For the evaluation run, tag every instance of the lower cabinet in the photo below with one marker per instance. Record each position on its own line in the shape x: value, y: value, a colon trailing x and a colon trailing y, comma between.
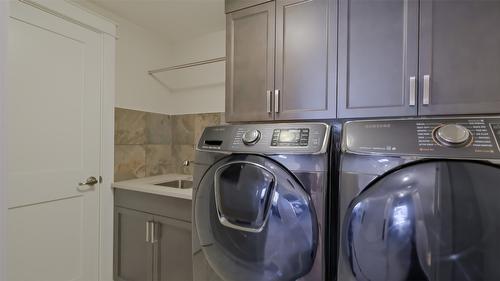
x: 150, y: 246
x: 174, y: 257
x: 133, y: 253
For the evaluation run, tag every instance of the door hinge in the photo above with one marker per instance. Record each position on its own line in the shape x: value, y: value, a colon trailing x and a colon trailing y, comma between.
x: 100, y: 179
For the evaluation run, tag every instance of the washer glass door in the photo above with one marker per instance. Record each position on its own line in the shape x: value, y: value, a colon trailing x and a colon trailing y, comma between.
x: 255, y: 221
x: 434, y: 220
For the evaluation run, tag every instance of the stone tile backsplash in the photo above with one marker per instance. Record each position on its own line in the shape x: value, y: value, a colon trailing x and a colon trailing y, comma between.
x: 130, y: 162
x: 158, y: 128
x: 150, y: 144
x: 130, y: 126
x: 183, y: 129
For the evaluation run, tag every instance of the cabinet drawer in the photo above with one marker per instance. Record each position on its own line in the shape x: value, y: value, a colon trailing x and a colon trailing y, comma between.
x: 171, y: 207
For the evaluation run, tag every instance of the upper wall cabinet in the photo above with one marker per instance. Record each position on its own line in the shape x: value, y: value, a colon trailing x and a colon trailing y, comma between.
x: 395, y: 58
x: 457, y: 52
x: 250, y: 63
x: 281, y: 61
x: 378, y: 58
x: 459, y: 57
x: 305, y: 73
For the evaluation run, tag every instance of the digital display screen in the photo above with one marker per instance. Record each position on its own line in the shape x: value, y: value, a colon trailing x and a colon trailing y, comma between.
x: 496, y: 132
x: 290, y: 135
x: 496, y: 128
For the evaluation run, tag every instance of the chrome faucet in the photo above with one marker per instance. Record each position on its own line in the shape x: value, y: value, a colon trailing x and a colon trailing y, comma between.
x: 186, y: 163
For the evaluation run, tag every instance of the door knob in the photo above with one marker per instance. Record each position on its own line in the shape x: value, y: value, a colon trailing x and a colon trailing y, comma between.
x: 89, y: 181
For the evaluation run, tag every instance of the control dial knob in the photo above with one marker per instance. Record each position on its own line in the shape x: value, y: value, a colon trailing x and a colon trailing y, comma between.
x: 251, y: 137
x: 453, y: 135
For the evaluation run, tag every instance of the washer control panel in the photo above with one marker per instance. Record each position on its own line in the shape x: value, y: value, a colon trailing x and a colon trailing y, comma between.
x: 461, y: 137
x: 284, y: 138
x: 290, y: 137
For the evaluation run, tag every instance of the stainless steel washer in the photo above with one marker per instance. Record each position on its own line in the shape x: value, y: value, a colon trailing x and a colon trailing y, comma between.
x: 259, y: 202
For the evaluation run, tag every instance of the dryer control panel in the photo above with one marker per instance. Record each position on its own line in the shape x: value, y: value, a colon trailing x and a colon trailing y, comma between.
x: 461, y: 137
x: 284, y: 138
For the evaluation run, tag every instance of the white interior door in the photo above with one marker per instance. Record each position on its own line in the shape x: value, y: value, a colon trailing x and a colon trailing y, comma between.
x: 53, y: 142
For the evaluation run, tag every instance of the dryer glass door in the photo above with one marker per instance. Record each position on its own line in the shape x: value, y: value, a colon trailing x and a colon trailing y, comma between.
x: 255, y: 221
x: 435, y: 220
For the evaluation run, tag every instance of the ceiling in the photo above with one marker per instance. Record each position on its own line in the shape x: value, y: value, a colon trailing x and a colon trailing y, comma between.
x: 174, y: 20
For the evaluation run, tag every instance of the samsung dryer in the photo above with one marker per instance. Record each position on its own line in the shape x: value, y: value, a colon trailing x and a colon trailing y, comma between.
x: 420, y: 199
x: 259, y: 202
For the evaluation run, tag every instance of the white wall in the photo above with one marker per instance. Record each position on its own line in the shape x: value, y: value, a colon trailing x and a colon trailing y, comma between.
x: 201, y: 99
x: 137, y: 51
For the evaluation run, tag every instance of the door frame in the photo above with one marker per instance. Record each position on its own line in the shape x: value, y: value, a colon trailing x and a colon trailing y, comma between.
x: 106, y: 30
x: 4, y: 16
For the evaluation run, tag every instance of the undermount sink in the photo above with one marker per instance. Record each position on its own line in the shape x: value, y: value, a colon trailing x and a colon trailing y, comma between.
x: 177, y: 184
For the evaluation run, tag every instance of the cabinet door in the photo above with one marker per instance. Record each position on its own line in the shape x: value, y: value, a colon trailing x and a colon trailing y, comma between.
x: 133, y: 255
x: 174, y: 257
x: 306, y: 36
x: 250, y: 63
x: 378, y: 54
x: 460, y: 55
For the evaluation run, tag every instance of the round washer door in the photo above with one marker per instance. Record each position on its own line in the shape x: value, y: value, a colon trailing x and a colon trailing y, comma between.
x: 436, y: 220
x: 255, y: 221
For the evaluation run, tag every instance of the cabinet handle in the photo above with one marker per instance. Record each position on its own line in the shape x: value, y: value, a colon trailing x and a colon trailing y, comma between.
x: 276, y: 101
x: 427, y: 91
x: 269, y: 101
x: 153, y: 232
x: 147, y: 232
x: 413, y: 89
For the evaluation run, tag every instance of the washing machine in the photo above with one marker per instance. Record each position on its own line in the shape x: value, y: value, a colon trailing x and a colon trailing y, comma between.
x: 420, y: 199
x: 259, y: 202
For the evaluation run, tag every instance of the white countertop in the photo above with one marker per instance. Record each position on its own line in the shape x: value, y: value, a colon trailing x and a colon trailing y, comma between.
x: 148, y: 185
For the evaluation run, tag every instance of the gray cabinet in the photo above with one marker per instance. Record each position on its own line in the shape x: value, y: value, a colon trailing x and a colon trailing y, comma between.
x: 395, y: 58
x: 378, y: 58
x: 133, y: 254
x: 459, y: 57
x: 152, y: 237
x: 281, y: 61
x: 174, y: 239
x: 250, y: 63
x: 306, y: 40
x: 454, y: 44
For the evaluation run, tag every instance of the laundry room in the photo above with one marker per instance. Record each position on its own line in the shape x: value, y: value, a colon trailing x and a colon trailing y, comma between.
x: 249, y: 140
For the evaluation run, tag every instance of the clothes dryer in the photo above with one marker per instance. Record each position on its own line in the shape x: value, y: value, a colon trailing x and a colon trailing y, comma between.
x: 420, y: 199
